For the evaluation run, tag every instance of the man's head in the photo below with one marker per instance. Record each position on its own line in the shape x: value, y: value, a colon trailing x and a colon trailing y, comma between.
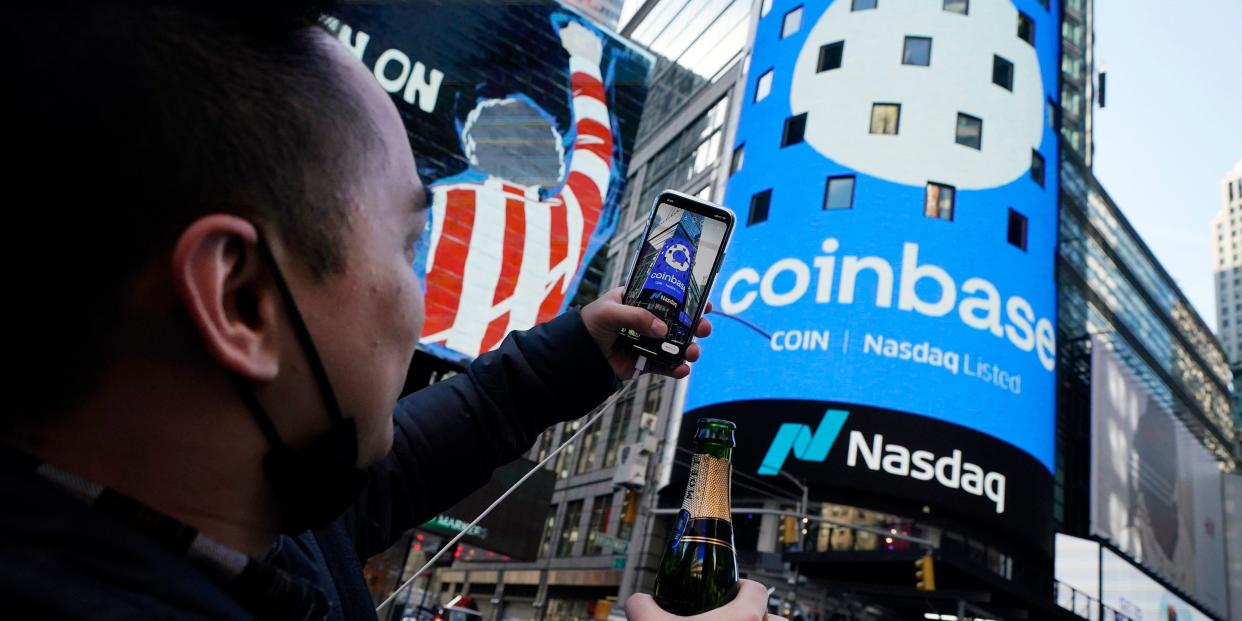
x: 157, y: 144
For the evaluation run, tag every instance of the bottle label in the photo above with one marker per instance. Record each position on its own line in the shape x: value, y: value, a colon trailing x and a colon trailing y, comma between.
x: 708, y: 531
x: 707, y: 491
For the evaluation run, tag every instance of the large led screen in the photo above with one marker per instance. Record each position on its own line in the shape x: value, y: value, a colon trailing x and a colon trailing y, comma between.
x: 522, y: 117
x: 895, y: 179
x: 1156, y: 491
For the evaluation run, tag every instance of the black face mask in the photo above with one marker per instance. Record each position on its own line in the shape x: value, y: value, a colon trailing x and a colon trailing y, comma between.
x: 313, y: 486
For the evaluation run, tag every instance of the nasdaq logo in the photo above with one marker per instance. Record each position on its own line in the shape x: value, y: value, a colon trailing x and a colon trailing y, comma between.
x: 804, y: 444
x: 952, y: 471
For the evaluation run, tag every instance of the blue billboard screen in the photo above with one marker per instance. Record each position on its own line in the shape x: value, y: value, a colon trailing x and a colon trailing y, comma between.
x: 898, y: 176
x: 671, y: 271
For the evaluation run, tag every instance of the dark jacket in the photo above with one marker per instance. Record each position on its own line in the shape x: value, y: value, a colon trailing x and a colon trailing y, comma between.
x: 67, y: 560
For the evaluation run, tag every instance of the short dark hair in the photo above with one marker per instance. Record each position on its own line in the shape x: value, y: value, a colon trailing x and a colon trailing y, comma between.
x: 129, y: 120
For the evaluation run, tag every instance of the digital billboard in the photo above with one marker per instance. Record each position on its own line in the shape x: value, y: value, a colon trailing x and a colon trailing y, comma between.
x: 521, y: 117
x: 1096, y: 574
x: 1129, y: 591
x: 1156, y: 490
x: 1233, y: 539
x: 1077, y: 572
x: 895, y: 180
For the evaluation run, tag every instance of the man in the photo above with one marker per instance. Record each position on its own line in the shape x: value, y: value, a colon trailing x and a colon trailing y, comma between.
x: 213, y: 212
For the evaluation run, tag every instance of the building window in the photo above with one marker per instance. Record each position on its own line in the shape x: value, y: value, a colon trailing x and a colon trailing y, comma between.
x: 795, y: 129
x: 957, y: 6
x: 765, y: 8
x: 545, y: 445
x: 1037, y: 167
x: 862, y: 5
x: 739, y: 154
x: 830, y: 56
x: 1050, y: 110
x: 938, y: 202
x: 792, y: 22
x: 1002, y: 73
x: 969, y: 130
x: 651, y: 403
x: 592, y: 283
x: 545, y: 542
x: 562, y: 458
x: 586, y: 455
x: 885, y: 118
x: 1026, y: 28
x: 763, y: 86
x: 618, y: 428
x: 601, y: 512
x: 839, y: 193
x: 916, y: 51
x: 1017, y: 229
x: 570, y: 528
x: 759, y: 205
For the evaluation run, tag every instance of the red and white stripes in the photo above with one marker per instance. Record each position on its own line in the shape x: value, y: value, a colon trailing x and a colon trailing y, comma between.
x: 501, y: 259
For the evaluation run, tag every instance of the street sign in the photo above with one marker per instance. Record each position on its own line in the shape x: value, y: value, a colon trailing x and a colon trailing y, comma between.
x: 609, y: 543
x: 455, y: 525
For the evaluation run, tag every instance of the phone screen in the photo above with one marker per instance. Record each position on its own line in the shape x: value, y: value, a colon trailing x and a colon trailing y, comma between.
x: 674, y: 270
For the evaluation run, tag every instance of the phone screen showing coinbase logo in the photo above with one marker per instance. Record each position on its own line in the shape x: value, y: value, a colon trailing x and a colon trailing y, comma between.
x: 674, y: 265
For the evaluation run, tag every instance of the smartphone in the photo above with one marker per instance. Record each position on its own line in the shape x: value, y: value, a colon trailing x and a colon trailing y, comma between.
x: 681, y: 252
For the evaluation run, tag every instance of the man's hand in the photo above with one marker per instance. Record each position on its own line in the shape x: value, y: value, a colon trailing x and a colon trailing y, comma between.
x: 751, y: 604
x: 605, y: 317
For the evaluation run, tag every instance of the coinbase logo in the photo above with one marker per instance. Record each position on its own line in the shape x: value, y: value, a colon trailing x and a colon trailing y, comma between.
x: 920, y: 73
x: 678, y: 256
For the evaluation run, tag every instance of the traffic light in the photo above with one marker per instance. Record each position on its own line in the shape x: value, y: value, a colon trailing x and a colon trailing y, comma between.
x: 629, y: 509
x: 789, y: 530
x: 925, y: 573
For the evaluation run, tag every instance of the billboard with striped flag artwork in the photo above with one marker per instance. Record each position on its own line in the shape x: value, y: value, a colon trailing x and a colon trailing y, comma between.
x: 521, y: 118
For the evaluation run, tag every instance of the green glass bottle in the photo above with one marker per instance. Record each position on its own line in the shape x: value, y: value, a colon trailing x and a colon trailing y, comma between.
x: 699, y: 569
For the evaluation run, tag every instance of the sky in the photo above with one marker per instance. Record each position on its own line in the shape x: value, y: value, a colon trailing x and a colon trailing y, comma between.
x: 1172, y: 125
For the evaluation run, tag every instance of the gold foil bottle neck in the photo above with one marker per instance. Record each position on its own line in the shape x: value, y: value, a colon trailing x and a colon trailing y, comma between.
x: 707, y: 492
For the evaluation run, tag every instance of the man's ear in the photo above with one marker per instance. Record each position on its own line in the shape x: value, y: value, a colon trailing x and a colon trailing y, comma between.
x: 227, y: 290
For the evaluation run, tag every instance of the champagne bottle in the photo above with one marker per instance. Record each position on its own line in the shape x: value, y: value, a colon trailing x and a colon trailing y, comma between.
x: 698, y: 571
